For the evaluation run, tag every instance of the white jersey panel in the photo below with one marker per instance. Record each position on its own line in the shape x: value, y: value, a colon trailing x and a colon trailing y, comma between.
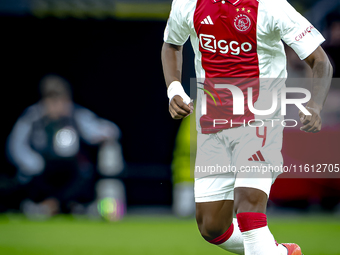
x: 295, y: 30
x: 272, y: 61
x: 178, y: 27
x: 279, y: 20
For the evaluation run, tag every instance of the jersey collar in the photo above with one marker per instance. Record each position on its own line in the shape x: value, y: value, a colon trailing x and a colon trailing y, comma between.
x: 233, y: 2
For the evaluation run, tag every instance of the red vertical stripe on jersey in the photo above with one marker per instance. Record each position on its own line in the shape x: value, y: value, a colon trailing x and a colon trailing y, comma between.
x: 229, y: 50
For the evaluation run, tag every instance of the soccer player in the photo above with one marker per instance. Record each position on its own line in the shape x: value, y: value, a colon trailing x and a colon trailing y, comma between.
x: 240, y: 40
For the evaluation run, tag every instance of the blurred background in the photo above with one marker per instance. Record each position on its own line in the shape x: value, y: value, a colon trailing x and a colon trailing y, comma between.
x: 87, y: 135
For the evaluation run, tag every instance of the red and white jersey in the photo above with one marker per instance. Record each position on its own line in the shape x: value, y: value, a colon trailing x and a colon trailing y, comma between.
x: 240, y: 39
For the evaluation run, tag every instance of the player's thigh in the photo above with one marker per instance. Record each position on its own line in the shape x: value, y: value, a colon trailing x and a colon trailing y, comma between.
x: 213, y: 181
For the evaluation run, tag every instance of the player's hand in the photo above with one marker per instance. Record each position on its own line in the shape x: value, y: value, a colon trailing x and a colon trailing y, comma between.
x: 178, y: 109
x: 311, y: 123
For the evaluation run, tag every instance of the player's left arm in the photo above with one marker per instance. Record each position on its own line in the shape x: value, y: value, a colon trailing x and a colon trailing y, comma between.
x: 322, y: 75
x: 298, y: 33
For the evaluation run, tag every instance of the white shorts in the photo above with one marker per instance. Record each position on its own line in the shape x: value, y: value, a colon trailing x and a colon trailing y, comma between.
x: 237, y: 157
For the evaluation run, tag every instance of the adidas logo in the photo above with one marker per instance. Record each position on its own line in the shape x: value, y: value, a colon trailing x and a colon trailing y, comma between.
x: 207, y: 21
x: 257, y: 157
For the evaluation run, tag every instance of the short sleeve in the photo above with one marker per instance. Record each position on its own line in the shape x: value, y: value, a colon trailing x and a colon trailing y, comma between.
x: 177, y: 30
x: 295, y: 30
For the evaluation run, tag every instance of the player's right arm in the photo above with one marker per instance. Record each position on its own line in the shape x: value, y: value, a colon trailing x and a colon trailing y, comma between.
x: 172, y: 69
x: 175, y: 35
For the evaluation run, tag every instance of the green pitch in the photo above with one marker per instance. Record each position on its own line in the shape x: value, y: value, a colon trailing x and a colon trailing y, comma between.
x: 150, y: 236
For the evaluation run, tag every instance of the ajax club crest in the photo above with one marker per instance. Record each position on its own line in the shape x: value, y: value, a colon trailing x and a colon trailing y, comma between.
x: 242, y: 22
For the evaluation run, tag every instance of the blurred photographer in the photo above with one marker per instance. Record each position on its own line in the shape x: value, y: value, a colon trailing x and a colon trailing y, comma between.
x: 49, y: 146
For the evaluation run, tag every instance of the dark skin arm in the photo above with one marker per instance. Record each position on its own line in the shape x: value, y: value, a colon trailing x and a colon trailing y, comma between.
x: 322, y: 75
x: 172, y: 59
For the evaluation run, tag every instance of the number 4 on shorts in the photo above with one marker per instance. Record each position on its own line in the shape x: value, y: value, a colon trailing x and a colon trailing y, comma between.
x: 263, y: 135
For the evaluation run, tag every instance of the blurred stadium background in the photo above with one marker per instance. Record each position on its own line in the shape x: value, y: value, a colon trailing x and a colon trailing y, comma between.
x: 109, y: 51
